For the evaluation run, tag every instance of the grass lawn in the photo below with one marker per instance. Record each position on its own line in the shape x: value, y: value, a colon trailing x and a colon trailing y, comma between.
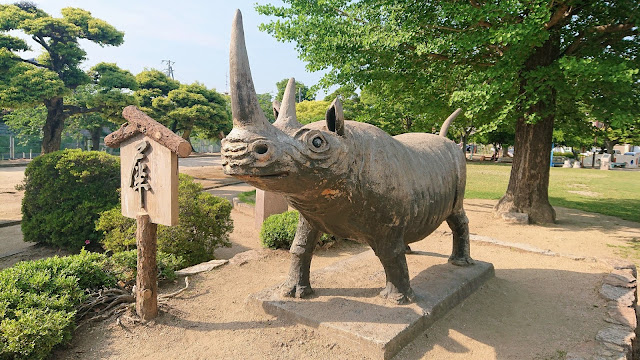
x: 248, y: 197
x: 615, y: 193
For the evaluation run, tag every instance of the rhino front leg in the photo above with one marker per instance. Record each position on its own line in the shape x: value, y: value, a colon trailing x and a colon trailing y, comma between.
x: 304, y: 243
x: 398, y: 288
x: 459, y: 224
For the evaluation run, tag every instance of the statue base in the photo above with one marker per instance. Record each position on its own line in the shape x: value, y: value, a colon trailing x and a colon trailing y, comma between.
x: 346, y: 305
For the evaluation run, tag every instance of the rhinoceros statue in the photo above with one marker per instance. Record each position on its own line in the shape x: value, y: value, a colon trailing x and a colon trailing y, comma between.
x: 346, y: 178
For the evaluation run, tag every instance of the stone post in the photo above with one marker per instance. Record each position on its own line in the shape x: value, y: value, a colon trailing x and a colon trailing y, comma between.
x: 267, y: 204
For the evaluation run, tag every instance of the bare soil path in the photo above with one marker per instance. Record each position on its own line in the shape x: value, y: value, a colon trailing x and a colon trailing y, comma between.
x: 537, y: 306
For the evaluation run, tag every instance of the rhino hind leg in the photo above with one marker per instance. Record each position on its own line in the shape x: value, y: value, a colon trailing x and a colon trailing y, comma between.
x: 395, y: 267
x: 298, y: 285
x: 459, y: 224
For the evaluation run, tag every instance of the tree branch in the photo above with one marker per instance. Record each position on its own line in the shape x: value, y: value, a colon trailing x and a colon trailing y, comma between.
x: 437, y: 56
x: 612, y: 28
x: 474, y: 3
x: 445, y: 28
x: 560, y: 14
x: 40, y: 40
x: 70, y: 110
x: 32, y: 62
x: 577, y: 44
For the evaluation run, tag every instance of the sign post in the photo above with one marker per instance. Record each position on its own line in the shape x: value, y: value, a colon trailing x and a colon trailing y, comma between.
x: 149, y: 192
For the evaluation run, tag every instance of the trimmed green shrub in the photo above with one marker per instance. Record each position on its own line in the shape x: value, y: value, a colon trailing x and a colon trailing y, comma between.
x: 205, y: 224
x: 279, y: 230
x: 567, y: 154
x: 65, y: 192
x: 124, y: 265
x: 38, y: 301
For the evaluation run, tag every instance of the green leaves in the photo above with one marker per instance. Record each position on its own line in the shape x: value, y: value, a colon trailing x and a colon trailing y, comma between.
x: 90, y: 28
x: 110, y: 76
x: 38, y: 300
x: 182, y: 108
x: 205, y: 224
x: 301, y: 89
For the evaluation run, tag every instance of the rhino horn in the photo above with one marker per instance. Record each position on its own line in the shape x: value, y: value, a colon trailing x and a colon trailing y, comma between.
x: 244, y: 102
x: 287, y: 120
x: 275, y: 104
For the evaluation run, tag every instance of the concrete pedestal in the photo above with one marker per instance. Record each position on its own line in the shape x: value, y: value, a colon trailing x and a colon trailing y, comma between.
x: 267, y: 204
x: 347, y: 307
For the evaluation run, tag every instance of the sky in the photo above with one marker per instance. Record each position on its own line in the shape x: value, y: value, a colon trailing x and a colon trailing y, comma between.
x: 193, y: 34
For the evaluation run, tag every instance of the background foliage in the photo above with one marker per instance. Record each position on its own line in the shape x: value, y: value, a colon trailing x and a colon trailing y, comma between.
x: 205, y: 224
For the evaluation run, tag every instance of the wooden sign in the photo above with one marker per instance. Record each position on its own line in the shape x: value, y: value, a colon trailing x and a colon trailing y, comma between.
x: 149, y: 184
x: 149, y: 180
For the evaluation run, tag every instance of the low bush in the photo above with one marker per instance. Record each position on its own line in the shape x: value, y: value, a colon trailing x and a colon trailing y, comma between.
x: 124, y: 265
x: 567, y: 154
x: 279, y: 230
x: 38, y: 300
x: 65, y: 192
x: 205, y: 224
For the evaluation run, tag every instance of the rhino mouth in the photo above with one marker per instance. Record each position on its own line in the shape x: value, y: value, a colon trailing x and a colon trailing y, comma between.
x: 267, y: 176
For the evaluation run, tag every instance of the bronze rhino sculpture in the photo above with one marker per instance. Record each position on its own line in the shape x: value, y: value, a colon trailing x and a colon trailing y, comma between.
x: 346, y: 178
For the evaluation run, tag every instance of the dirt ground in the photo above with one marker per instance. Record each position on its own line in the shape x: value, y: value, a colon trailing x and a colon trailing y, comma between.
x: 10, y: 198
x: 536, y: 307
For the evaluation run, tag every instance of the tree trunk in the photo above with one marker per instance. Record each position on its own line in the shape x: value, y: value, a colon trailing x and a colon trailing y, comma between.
x: 95, y: 138
x: 609, y: 144
x: 528, y: 189
x: 187, y: 136
x: 52, y: 130
x: 505, y: 151
x: 147, y: 275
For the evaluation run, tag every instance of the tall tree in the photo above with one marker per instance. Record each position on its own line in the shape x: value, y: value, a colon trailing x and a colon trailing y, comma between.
x: 309, y: 111
x: 266, y: 104
x: 47, y: 79
x: 508, y: 60
x: 301, y: 89
x: 152, y: 84
x: 194, y: 107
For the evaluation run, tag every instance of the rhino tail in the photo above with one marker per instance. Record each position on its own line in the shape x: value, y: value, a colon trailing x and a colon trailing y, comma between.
x: 447, y: 123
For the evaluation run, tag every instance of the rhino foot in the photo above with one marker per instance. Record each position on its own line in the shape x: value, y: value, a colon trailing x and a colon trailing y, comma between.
x: 461, y: 261
x: 392, y: 294
x: 296, y: 290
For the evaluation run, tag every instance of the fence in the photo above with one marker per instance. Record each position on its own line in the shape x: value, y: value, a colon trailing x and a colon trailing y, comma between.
x: 28, y: 147
x: 205, y: 145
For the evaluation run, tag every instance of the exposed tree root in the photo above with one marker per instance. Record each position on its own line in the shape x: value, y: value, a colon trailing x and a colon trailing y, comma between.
x: 175, y: 293
x: 106, y: 303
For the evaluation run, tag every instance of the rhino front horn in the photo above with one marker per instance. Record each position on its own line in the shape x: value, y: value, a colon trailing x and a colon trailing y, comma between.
x: 245, y: 108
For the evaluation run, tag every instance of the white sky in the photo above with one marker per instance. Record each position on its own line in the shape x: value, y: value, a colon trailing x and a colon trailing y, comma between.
x: 193, y: 34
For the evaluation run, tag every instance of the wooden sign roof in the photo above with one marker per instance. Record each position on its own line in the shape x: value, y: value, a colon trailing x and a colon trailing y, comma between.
x: 141, y: 123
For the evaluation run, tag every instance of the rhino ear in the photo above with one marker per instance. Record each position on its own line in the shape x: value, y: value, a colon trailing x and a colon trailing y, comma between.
x: 276, y: 108
x: 335, y: 117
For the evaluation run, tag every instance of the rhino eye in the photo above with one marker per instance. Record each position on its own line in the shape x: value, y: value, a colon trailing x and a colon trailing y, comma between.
x: 317, y: 141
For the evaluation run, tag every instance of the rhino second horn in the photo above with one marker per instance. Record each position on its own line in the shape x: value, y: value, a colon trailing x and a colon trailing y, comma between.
x: 287, y: 120
x: 244, y: 102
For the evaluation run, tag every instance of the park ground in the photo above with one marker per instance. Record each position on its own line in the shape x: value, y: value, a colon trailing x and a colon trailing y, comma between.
x: 537, y: 307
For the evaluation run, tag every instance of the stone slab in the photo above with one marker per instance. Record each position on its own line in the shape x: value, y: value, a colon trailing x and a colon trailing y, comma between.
x: 347, y: 307
x: 202, y: 267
